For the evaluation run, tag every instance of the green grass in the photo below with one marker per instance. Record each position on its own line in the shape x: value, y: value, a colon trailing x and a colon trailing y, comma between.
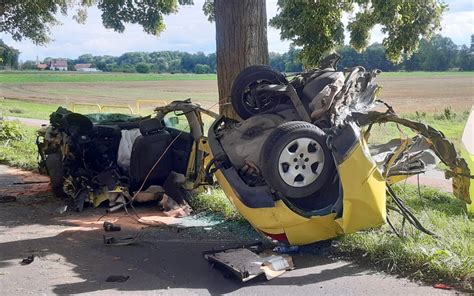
x: 17, y: 145
x: 448, y: 258
x: 47, y: 77
x: 215, y: 201
x: 26, y: 109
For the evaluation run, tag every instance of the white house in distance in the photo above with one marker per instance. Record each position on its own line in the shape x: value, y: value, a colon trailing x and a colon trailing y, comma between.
x: 85, y: 68
x: 58, y: 65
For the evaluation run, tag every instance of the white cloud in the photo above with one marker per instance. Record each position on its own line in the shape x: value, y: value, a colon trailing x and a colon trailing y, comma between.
x: 189, y: 30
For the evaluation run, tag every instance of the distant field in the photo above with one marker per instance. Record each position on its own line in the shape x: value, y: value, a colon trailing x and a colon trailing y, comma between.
x: 47, y: 76
x: 406, y: 91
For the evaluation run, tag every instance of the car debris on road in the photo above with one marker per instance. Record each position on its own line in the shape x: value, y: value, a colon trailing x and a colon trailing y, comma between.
x: 247, y: 262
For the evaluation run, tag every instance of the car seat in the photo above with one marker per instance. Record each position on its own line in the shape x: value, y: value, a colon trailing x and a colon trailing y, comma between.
x: 146, y: 151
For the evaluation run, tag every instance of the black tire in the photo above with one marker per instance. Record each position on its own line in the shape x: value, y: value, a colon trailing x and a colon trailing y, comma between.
x: 276, y: 148
x: 249, y: 77
x: 55, y: 170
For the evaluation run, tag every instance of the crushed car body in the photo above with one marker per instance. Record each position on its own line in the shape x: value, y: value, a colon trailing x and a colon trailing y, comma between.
x: 118, y: 157
x: 297, y: 166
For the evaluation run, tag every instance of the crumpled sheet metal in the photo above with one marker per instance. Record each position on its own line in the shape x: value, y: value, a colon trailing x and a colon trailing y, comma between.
x: 441, y: 146
x: 404, y: 157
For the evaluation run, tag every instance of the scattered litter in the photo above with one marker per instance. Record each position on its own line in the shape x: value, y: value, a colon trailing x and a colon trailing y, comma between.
x: 117, y: 258
x: 286, y: 249
x: 322, y: 248
x: 246, y: 264
x: 442, y: 286
x: 62, y: 209
x: 117, y: 278
x: 7, y: 198
x: 115, y: 208
x: 110, y: 227
x: 28, y: 260
x: 121, y: 241
x: 173, y: 209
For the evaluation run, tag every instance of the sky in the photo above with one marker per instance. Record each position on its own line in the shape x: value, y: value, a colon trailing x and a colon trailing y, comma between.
x: 189, y: 30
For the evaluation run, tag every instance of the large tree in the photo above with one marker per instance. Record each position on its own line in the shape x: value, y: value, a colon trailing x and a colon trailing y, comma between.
x: 314, y: 25
x: 241, y: 41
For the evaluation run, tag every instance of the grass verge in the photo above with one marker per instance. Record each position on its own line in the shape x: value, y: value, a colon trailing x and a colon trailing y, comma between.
x: 26, y: 109
x: 17, y: 145
x: 448, y: 258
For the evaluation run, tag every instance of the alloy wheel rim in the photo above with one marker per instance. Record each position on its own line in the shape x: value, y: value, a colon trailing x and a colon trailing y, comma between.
x: 301, y: 162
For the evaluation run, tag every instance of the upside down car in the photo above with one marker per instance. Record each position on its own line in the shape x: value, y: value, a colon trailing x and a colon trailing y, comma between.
x: 297, y: 166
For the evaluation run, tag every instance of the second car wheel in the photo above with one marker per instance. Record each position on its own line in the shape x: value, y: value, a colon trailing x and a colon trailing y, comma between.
x: 245, y: 98
x: 296, y: 160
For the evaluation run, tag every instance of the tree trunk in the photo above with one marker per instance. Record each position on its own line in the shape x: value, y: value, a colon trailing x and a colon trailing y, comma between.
x: 241, y: 41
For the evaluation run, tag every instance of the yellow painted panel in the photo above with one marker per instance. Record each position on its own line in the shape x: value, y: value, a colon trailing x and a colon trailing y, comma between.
x: 364, y: 192
x: 315, y: 229
x: 276, y: 217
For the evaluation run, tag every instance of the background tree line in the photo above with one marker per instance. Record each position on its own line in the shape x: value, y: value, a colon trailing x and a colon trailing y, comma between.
x: 438, y: 54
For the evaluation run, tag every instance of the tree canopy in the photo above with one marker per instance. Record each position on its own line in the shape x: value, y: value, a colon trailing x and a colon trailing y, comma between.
x: 33, y: 19
x: 317, y: 26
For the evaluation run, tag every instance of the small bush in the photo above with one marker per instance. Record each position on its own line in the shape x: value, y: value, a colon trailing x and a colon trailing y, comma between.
x: 11, y: 131
x: 16, y: 110
x: 142, y: 68
x: 17, y: 145
x: 202, y: 69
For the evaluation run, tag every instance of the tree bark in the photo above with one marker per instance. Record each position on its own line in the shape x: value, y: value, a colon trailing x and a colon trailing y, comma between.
x: 241, y: 41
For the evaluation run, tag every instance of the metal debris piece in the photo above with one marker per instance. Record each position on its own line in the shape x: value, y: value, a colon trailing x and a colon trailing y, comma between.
x: 117, y: 278
x: 7, y: 198
x: 30, y: 182
x: 115, y: 208
x: 28, y: 260
x: 110, y: 227
x: 246, y: 265
x: 62, y: 210
x: 121, y: 241
x: 442, y: 147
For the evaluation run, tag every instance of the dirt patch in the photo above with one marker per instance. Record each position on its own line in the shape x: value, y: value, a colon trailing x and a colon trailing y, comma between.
x: 428, y: 94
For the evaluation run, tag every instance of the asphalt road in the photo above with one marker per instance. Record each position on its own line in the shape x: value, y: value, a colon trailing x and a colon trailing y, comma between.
x: 70, y: 257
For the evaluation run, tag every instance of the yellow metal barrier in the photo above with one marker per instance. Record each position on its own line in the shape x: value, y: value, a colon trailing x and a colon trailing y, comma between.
x: 117, y: 107
x: 156, y: 102
x: 74, y: 105
x: 100, y: 108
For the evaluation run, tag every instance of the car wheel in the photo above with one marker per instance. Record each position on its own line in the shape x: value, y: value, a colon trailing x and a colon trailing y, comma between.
x: 296, y: 160
x: 245, y: 100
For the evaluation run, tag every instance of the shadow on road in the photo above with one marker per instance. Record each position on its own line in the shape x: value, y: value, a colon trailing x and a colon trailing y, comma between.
x: 71, y: 257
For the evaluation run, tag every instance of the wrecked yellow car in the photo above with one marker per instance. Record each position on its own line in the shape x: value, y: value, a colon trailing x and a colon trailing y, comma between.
x: 297, y: 166
x: 116, y: 157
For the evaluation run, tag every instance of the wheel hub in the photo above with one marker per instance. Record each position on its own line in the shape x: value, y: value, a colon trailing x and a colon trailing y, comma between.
x: 301, y: 162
